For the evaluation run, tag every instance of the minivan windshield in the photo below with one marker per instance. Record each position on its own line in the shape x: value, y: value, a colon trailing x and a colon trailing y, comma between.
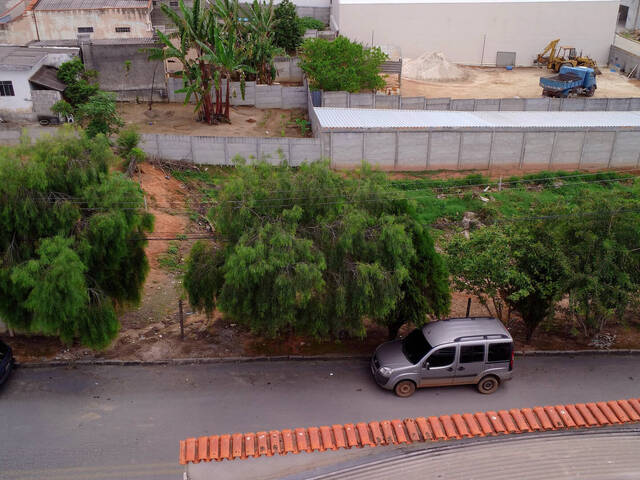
x: 415, y: 346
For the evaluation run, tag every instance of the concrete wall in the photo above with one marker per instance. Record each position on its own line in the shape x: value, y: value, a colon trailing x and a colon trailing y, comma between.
x: 20, y: 105
x: 625, y: 60
x: 370, y: 100
x: 223, y: 150
x: 261, y: 96
x: 43, y: 100
x: 484, y: 149
x: 108, y: 59
x: 63, y: 24
x: 19, y: 31
x: 461, y: 29
x: 288, y: 69
x: 633, y: 16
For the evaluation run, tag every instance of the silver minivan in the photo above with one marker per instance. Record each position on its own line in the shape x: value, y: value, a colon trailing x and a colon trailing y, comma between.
x: 457, y: 351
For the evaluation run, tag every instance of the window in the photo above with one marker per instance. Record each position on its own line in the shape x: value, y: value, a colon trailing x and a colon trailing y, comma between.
x: 6, y: 89
x: 442, y: 357
x: 471, y: 353
x: 415, y: 346
x: 500, y: 352
x: 123, y: 29
x: 85, y: 29
x: 155, y: 2
x: 173, y: 4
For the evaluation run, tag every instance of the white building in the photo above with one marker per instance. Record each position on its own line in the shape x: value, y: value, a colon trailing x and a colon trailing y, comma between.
x: 28, y: 82
x: 473, y: 31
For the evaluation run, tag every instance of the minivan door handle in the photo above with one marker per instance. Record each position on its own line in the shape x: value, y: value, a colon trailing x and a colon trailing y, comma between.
x: 460, y: 368
x: 450, y: 369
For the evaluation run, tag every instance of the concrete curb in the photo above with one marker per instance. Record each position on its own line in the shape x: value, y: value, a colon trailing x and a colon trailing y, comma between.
x: 284, y: 358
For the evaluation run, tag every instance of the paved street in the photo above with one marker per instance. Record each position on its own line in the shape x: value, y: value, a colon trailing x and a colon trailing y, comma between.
x: 125, y: 422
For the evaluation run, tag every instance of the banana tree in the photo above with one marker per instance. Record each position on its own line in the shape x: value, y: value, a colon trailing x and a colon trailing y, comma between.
x: 259, y: 46
x: 229, y: 60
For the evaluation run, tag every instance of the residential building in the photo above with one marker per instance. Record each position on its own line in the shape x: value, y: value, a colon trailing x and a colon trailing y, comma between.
x: 28, y: 80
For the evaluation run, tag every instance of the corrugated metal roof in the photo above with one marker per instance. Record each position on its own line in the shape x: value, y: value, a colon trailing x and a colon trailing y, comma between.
x: 48, y: 77
x: 355, y: 118
x: 89, y: 4
x: 19, y: 58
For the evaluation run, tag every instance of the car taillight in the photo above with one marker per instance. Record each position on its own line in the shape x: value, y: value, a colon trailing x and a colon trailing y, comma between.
x: 511, y: 361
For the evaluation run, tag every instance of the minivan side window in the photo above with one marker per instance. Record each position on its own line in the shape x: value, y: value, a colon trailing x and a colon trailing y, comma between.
x: 471, y: 353
x: 500, y: 352
x: 443, y: 357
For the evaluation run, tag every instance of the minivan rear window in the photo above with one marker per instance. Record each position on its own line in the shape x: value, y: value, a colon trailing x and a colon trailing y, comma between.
x: 472, y: 353
x: 415, y: 346
x: 500, y: 352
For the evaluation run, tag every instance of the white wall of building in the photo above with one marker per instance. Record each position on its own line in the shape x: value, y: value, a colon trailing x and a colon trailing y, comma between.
x: 460, y: 29
x: 20, y: 103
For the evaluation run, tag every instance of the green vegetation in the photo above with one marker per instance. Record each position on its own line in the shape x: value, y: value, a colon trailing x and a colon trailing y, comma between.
x: 314, y: 252
x: 288, y: 35
x: 310, y: 23
x: 93, y: 108
x: 72, y: 238
x: 230, y: 43
x: 171, y: 260
x: 341, y: 65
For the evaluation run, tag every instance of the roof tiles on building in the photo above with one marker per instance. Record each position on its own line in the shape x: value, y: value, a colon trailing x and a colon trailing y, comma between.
x: 410, y: 430
x: 356, y: 118
x: 44, y: 5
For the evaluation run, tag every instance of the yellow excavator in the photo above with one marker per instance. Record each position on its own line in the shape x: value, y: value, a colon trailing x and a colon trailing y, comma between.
x: 555, y: 57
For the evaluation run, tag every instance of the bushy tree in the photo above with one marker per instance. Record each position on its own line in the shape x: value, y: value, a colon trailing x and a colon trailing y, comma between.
x: 603, y: 251
x: 309, y: 23
x: 99, y: 114
x: 287, y: 28
x: 72, y: 239
x: 79, y: 81
x: 313, y: 252
x: 520, y: 266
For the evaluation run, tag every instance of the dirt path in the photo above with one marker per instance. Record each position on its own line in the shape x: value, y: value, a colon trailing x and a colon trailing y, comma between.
x: 521, y: 82
x: 178, y: 119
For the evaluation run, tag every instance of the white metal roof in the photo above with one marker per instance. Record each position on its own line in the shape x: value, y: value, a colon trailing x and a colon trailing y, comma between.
x: 400, y: 2
x: 356, y: 118
x: 89, y: 4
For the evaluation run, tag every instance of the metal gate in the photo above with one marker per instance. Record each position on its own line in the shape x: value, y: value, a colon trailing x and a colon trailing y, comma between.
x: 505, y: 59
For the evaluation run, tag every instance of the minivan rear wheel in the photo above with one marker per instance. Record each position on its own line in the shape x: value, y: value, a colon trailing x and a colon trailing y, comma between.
x: 488, y: 384
x: 405, y: 388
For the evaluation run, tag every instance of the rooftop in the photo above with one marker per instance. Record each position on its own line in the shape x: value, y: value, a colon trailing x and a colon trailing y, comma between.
x: 14, y: 58
x: 49, y: 5
x: 357, y: 118
x: 446, y: 331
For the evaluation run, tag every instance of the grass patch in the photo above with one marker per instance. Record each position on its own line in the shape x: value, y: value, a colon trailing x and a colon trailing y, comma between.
x: 172, y: 260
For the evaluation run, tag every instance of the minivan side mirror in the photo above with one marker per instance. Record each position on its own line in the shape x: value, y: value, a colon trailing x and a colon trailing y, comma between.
x: 425, y: 365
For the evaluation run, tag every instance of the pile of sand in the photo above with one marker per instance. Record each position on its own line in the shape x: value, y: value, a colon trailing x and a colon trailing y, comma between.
x: 432, y: 67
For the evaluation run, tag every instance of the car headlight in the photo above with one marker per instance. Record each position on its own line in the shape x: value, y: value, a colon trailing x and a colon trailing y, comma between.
x: 385, y: 371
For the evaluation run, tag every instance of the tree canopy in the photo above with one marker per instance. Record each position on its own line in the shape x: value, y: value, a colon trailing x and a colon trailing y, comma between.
x: 341, y: 65
x: 313, y: 252
x: 287, y: 29
x: 72, y: 239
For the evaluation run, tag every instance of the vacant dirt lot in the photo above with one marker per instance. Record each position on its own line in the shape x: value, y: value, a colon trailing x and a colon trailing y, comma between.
x: 520, y: 82
x: 179, y: 119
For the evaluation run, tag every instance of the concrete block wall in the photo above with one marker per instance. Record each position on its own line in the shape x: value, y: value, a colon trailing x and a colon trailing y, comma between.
x: 223, y: 150
x: 484, y: 149
x: 262, y: 96
x: 288, y: 69
x: 625, y: 60
x: 370, y: 100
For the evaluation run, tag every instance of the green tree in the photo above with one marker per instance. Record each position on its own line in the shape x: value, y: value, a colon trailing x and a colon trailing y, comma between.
x: 310, y: 251
x: 72, y: 237
x: 522, y: 266
x: 79, y: 81
x: 99, y: 114
x: 604, y: 256
x: 259, y: 47
x: 341, y: 65
x: 287, y: 30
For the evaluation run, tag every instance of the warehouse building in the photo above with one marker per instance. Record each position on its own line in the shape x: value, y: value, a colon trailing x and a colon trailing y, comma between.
x: 474, y: 31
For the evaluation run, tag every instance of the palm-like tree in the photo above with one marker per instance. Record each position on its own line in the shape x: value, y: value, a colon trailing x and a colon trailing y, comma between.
x: 228, y: 59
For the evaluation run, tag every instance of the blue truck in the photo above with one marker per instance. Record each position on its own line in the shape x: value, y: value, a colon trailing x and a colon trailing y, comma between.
x: 570, y: 81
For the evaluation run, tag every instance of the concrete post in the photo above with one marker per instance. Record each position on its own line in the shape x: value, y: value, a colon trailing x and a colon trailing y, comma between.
x: 259, y: 149
x: 584, y: 140
x: 428, y: 150
x: 364, y: 153
x: 613, y: 146
x: 490, y: 150
x: 553, y: 148
x: 523, y: 149
x: 157, y: 146
x: 226, y: 152
x: 395, y: 162
x: 290, y: 159
x: 460, y: 145
x: 193, y: 160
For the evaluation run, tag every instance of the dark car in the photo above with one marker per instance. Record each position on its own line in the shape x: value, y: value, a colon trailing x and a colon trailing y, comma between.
x: 6, y: 361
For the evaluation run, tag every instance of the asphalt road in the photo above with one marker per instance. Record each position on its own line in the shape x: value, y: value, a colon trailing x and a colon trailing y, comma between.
x: 107, y: 423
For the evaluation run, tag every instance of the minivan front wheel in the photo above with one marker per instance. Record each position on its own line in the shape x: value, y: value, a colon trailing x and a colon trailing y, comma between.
x: 405, y: 388
x: 488, y: 384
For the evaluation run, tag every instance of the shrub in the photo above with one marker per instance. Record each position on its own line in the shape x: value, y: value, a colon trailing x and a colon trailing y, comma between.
x: 341, y: 65
x: 287, y: 30
x: 310, y: 23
